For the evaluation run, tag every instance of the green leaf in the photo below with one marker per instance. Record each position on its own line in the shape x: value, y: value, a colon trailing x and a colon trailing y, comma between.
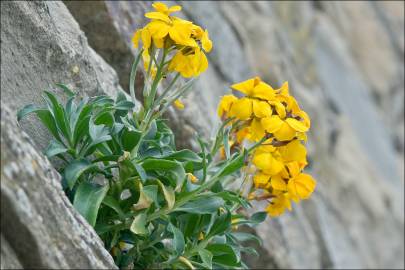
x: 49, y: 121
x: 55, y: 148
x: 204, y: 205
x: 58, y: 113
x: 87, y: 200
x: 130, y: 139
x: 173, y: 169
x: 223, y: 254
x: 178, y: 239
x: 124, y: 105
x: 258, y: 217
x: 113, y: 204
x: 144, y: 200
x: 243, y: 237
x: 105, y: 118
x: 183, y: 155
x: 98, y: 133
x: 75, y: 169
x: 226, y: 143
x: 206, y: 258
x: 221, y: 224
x: 66, y: 89
x: 169, y: 195
x: 151, y: 191
x: 27, y: 110
x: 233, y: 166
x: 138, y: 226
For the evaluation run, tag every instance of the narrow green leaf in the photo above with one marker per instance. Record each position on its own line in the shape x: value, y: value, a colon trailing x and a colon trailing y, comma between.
x: 221, y: 224
x: 233, y: 166
x: 243, y: 237
x: 183, y: 155
x: 58, y: 113
x: 27, y: 110
x: 75, y: 169
x: 138, y: 226
x: 226, y: 143
x: 87, y: 200
x: 55, y: 148
x: 66, y: 89
x: 113, y: 204
x: 205, y: 205
x: 49, y: 121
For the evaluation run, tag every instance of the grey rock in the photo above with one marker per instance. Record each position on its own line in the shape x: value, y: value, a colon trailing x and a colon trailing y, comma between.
x: 42, y: 45
x: 39, y: 226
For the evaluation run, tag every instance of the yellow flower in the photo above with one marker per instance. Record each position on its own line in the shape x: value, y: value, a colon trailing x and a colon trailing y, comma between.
x: 189, y: 65
x: 255, y: 88
x: 241, y: 109
x: 301, y: 186
x: 225, y: 104
x: 178, y: 104
x: 162, y: 8
x: 278, y: 205
x: 283, y: 130
x: 192, y: 178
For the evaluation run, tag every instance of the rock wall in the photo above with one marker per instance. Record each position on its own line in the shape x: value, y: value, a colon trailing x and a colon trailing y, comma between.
x: 344, y: 63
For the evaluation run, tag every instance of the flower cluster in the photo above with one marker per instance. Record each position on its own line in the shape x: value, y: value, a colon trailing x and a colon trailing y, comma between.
x: 273, y: 118
x: 186, y: 40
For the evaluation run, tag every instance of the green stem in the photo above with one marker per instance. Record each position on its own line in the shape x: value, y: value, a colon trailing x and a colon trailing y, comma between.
x: 133, y: 75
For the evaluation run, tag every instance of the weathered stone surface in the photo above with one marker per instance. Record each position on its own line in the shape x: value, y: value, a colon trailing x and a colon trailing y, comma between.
x: 42, y: 45
x: 39, y: 227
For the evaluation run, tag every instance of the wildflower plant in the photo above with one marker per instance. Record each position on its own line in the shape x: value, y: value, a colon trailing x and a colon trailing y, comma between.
x: 155, y: 206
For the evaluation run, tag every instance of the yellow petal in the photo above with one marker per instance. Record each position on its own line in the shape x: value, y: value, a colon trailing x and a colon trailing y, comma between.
x: 256, y: 130
x: 146, y: 38
x: 242, y: 134
x: 280, y: 109
x: 225, y: 104
x: 206, y: 42
x: 305, y: 118
x: 293, y: 168
x: 181, y: 33
x: 241, y: 109
x: 293, y: 151
x: 136, y: 37
x: 278, y: 183
x: 285, y: 132
x: 174, y: 9
x: 297, y: 125
x: 246, y: 87
x: 272, y: 124
x: 158, y: 42
x: 261, y: 108
x: 264, y: 91
x: 158, y: 29
x: 158, y: 16
x: 178, y: 104
x: 302, y: 186
x: 260, y: 180
x: 159, y: 6
x: 284, y: 89
x: 278, y: 205
x: 267, y: 163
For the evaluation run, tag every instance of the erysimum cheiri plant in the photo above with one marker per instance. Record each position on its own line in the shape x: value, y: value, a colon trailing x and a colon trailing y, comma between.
x: 158, y: 207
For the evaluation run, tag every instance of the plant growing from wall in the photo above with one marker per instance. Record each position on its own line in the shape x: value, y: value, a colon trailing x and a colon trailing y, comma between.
x: 155, y: 206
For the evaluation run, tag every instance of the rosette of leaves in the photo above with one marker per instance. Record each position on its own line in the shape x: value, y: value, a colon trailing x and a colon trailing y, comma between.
x: 132, y: 185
